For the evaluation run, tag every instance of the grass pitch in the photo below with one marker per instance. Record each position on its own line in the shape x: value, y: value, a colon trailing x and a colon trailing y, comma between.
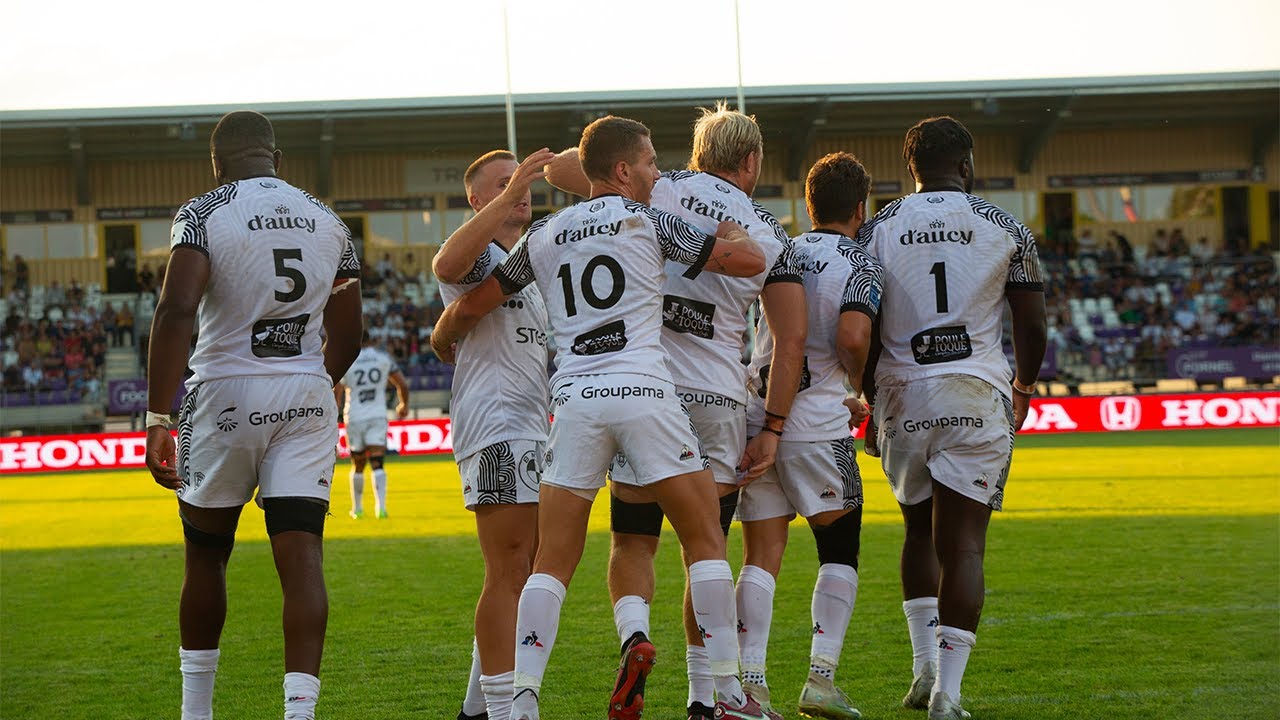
x: 1132, y: 576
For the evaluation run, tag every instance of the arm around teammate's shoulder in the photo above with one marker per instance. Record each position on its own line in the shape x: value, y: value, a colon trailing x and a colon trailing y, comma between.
x: 565, y: 172
x: 343, y: 327
x: 462, y: 315
x: 734, y: 253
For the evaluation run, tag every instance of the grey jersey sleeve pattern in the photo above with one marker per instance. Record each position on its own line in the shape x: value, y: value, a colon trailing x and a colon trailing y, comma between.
x: 189, y: 224
x: 516, y: 272
x: 348, y: 264
x: 679, y: 240
x: 789, y: 267
x: 866, y: 281
x: 778, y: 231
x: 1024, y: 264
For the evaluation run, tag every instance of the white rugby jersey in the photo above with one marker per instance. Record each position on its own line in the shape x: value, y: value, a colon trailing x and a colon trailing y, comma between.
x: 500, y: 388
x: 276, y: 254
x: 839, y: 277
x: 599, y: 264
x: 366, y: 383
x: 704, y: 318
x: 948, y: 258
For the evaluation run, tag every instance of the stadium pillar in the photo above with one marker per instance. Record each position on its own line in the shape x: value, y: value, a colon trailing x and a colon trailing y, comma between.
x: 1259, y: 216
x: 79, y: 168
x: 324, y: 171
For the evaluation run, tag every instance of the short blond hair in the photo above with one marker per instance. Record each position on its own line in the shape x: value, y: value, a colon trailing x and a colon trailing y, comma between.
x: 723, y: 138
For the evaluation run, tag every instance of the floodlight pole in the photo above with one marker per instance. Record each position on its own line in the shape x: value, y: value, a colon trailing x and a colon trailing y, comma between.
x: 506, y: 55
x: 737, y: 34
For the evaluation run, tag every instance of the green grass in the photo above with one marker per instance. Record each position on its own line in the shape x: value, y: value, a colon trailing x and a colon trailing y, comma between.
x: 1168, y: 608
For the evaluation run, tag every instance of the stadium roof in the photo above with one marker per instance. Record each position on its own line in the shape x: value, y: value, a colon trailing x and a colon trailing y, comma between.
x: 793, y: 116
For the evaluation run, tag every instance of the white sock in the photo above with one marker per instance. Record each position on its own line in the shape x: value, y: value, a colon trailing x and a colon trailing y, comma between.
x: 537, y: 621
x: 357, y: 491
x: 702, y: 687
x: 474, y: 702
x: 498, y: 690
x: 380, y: 489
x: 630, y: 616
x: 301, y: 691
x: 198, y: 668
x: 711, y: 588
x: 922, y: 623
x: 834, y: 595
x: 954, y: 646
x: 755, y: 614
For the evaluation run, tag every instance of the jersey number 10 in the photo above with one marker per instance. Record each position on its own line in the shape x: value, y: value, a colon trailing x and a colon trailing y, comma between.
x: 618, y: 283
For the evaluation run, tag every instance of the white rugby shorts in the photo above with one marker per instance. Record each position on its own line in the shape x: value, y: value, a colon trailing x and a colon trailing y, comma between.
x: 808, y: 478
x: 504, y: 473
x: 721, y: 423
x: 956, y: 429
x: 277, y: 435
x: 365, y: 432
x: 599, y: 416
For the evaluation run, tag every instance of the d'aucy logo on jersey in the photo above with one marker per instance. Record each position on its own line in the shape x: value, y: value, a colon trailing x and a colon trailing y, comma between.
x: 941, y: 344
x: 610, y: 337
x: 937, y: 233
x: 687, y: 316
x: 279, y: 337
x: 287, y: 222
x: 715, y: 210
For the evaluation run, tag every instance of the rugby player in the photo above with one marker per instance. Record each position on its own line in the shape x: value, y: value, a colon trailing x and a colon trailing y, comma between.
x: 365, y: 413
x: 599, y: 264
x: 816, y: 475
x: 499, y: 415
x: 259, y: 267
x: 703, y: 326
x: 946, y: 403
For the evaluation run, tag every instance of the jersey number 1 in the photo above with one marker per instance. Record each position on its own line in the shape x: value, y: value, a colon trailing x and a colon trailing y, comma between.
x: 939, y: 273
x: 618, y: 283
x: 293, y: 274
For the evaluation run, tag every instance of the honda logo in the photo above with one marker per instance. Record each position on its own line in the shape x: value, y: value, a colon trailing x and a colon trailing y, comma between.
x: 1121, y: 413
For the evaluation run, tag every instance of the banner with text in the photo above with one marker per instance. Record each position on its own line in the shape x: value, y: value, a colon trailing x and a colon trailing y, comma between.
x: 1222, y: 362
x: 1119, y: 413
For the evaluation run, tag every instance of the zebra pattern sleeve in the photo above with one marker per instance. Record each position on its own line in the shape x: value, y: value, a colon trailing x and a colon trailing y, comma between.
x: 863, y: 289
x: 189, y: 224
x: 516, y: 272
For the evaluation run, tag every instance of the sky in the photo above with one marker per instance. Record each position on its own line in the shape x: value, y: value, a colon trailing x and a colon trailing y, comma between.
x: 163, y: 53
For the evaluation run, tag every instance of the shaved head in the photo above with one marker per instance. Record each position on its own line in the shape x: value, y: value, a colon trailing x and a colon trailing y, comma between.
x: 240, y: 132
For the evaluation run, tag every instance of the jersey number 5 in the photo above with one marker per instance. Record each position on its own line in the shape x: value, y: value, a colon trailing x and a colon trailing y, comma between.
x: 295, y: 275
x: 617, y: 284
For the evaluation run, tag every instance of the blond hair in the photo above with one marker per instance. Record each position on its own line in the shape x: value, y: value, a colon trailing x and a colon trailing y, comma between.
x: 723, y: 138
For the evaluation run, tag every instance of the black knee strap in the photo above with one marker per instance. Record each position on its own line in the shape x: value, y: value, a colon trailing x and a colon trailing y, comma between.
x: 196, y: 536
x: 840, y: 541
x: 635, y: 518
x: 294, y: 514
x: 375, y: 462
x: 728, y: 506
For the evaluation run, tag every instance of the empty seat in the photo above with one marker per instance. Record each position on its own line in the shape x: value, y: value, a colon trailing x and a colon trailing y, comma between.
x: 1176, y: 385
x: 1235, y: 383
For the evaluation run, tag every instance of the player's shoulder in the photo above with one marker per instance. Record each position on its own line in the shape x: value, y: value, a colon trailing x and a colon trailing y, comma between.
x: 678, y: 176
x: 200, y: 207
x: 858, y: 257
x: 998, y: 217
x: 774, y: 227
x: 884, y: 216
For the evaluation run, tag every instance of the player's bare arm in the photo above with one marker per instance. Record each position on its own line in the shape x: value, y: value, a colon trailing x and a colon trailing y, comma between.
x: 462, y: 315
x: 734, y: 254
x: 786, y: 310
x: 853, y: 343
x: 171, y: 328
x: 459, y: 253
x: 343, y: 326
x: 339, y: 394
x: 871, y: 445
x: 402, y: 393
x: 565, y: 172
x: 1030, y: 336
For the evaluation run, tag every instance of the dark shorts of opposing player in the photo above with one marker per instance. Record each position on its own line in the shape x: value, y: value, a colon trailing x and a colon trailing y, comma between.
x: 953, y: 429
x: 504, y: 473
x: 273, y: 435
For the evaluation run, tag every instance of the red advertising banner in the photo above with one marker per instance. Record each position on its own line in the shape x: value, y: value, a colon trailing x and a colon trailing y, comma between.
x: 1117, y: 413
